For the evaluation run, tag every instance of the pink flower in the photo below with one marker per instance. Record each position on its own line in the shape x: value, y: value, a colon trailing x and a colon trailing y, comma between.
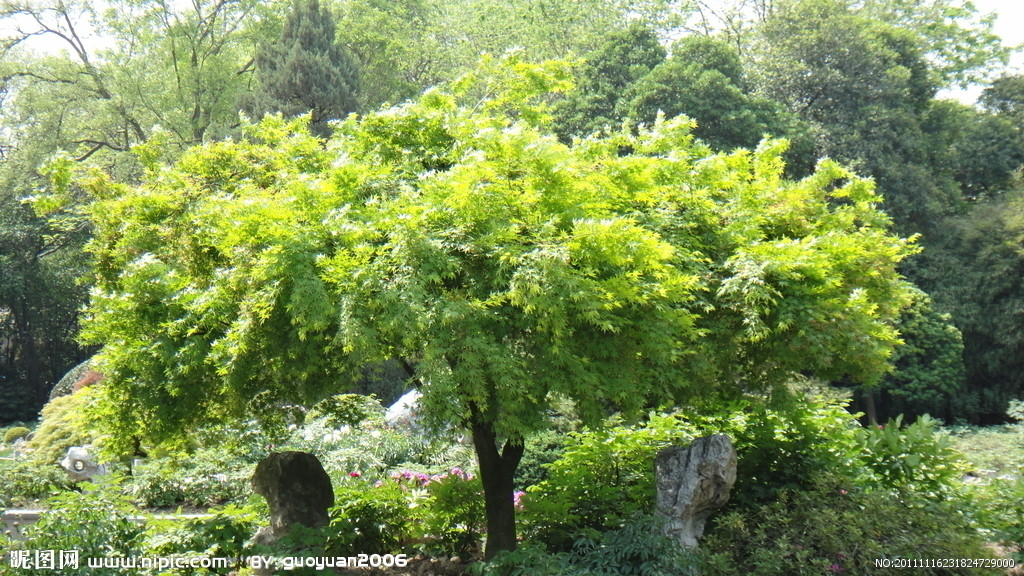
x: 843, y: 492
x: 517, y: 499
x: 354, y: 474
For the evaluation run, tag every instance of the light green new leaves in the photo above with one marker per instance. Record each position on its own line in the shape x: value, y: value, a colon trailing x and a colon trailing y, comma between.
x: 508, y: 269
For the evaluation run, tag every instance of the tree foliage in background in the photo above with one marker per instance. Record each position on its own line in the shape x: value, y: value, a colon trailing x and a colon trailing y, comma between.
x: 506, y: 269
x: 974, y: 273
x: 865, y: 87
x: 623, y: 59
x: 928, y: 368
x: 305, y: 71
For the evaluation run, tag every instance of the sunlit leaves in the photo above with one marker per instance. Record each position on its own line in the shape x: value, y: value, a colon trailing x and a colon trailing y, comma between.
x: 505, y: 267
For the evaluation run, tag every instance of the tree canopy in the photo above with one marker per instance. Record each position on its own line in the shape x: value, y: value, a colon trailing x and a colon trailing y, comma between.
x: 504, y: 268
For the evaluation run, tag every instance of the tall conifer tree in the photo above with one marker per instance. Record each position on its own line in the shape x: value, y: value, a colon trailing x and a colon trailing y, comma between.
x: 305, y: 71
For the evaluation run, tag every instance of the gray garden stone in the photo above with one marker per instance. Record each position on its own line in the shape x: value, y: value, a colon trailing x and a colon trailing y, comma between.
x: 692, y: 482
x: 298, y: 491
x: 81, y: 464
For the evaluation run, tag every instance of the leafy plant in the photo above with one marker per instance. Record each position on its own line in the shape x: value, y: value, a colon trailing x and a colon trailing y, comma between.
x: 98, y: 523
x: 450, y: 519
x: 207, y: 478
x: 25, y: 481
x: 368, y: 519
x: 15, y: 433
x: 225, y: 534
x: 65, y: 422
x: 837, y: 528
x: 915, y: 458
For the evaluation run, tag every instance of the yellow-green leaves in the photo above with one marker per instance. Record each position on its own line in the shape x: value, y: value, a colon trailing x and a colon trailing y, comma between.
x: 507, y: 268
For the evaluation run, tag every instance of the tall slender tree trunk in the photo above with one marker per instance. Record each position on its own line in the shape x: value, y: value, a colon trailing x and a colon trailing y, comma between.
x: 497, y: 472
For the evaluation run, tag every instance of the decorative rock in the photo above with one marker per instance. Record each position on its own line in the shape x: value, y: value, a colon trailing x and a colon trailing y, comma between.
x: 404, y: 413
x: 297, y: 490
x: 691, y: 483
x: 81, y: 465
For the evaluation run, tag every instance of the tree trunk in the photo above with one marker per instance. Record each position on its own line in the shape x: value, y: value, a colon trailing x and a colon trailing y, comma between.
x: 497, y: 471
x: 869, y: 405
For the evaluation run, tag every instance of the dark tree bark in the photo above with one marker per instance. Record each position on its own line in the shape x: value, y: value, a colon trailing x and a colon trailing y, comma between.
x: 497, y: 472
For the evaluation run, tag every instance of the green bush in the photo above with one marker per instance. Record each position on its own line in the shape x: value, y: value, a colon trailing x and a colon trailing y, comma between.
x: 837, y: 528
x: 24, y: 481
x: 97, y: 523
x: 450, y: 519
x: 205, y: 479
x: 368, y: 519
x: 65, y: 423
x: 636, y: 548
x: 15, y: 433
x: 603, y: 477
x: 542, y: 449
x: 784, y: 442
x: 917, y: 458
x: 225, y: 534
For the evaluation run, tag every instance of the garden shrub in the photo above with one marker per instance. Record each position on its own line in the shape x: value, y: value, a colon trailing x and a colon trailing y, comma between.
x: 917, y: 458
x: 24, y: 481
x: 603, y: 477
x: 542, y: 449
x: 450, y: 519
x: 15, y: 433
x: 225, y: 534
x: 784, y: 442
x: 367, y: 449
x: 368, y: 519
x: 97, y: 523
x: 606, y: 475
x: 636, y: 548
x: 347, y: 410
x: 838, y: 528
x: 64, y: 423
x: 202, y: 480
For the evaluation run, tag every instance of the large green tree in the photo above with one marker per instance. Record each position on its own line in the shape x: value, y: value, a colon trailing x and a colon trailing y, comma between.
x: 507, y: 270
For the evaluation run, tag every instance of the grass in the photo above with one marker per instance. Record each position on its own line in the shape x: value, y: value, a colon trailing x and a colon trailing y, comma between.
x: 991, y: 450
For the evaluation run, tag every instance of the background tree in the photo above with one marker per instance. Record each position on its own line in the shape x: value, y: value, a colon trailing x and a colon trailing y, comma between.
x: 704, y: 80
x: 87, y: 85
x: 306, y: 71
x: 505, y: 269
x: 928, y: 369
x: 623, y: 59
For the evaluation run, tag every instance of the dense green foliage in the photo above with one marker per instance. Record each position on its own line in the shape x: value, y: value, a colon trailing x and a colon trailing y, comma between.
x: 65, y: 422
x: 928, y: 375
x: 517, y: 248
x: 508, y: 269
x: 854, y: 81
x: 15, y: 433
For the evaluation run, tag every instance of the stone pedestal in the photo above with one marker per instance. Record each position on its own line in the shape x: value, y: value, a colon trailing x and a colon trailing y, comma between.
x: 691, y: 483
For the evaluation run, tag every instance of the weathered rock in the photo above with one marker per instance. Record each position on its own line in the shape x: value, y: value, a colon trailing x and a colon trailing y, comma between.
x: 81, y: 464
x: 691, y: 483
x: 405, y: 412
x: 297, y: 489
